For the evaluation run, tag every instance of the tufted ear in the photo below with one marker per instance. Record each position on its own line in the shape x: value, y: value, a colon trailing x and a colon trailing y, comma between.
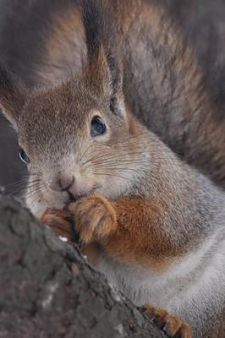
x: 12, y: 96
x: 102, y: 70
x: 104, y: 73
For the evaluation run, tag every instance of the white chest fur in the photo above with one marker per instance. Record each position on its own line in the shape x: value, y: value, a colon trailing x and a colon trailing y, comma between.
x: 185, y: 288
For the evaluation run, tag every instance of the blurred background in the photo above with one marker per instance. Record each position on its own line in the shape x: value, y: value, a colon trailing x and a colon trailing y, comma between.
x: 202, y: 23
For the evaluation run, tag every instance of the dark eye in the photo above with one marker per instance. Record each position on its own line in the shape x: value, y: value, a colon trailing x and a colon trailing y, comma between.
x: 24, y: 157
x: 98, y: 126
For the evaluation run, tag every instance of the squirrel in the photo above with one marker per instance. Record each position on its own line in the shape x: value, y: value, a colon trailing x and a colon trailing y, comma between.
x: 44, y: 42
x: 153, y: 224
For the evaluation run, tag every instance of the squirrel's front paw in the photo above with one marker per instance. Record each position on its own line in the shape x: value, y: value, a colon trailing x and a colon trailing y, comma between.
x: 94, y: 218
x: 61, y: 221
x: 170, y: 324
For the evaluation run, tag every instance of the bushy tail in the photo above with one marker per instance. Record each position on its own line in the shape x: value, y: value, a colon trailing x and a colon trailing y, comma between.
x: 94, y: 25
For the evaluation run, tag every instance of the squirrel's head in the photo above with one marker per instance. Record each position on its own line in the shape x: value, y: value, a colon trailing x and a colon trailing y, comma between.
x: 76, y: 138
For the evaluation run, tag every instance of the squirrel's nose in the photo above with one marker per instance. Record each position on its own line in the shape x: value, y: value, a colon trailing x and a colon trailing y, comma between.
x: 62, y: 183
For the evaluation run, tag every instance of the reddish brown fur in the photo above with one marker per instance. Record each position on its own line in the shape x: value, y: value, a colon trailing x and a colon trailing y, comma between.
x: 172, y: 325
x: 127, y: 229
x: 58, y: 220
x: 138, y: 237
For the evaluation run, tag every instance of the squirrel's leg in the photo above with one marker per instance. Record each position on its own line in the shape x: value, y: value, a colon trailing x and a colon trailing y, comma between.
x: 129, y: 228
x: 170, y: 324
x: 61, y: 221
x: 92, y: 218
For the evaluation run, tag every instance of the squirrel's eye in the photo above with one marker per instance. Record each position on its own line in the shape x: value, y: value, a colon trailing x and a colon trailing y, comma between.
x: 24, y: 157
x: 98, y: 126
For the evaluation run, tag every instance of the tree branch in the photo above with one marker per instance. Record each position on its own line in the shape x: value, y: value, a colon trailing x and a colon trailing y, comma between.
x: 48, y: 290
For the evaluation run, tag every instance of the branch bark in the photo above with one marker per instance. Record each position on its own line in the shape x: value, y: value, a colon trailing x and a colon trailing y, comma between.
x: 48, y: 290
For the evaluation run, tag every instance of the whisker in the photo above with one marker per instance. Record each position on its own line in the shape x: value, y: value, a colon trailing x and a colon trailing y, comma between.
x: 85, y: 151
x: 122, y: 177
x: 33, y: 192
x: 109, y: 157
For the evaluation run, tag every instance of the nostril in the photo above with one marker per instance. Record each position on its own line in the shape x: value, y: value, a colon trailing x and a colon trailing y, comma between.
x: 63, y: 183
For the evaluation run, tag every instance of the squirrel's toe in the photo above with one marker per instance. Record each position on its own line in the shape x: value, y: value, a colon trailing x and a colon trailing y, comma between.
x: 171, y: 325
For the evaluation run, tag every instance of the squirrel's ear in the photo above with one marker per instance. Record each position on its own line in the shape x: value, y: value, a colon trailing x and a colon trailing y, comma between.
x: 12, y: 96
x: 102, y: 70
x: 104, y: 73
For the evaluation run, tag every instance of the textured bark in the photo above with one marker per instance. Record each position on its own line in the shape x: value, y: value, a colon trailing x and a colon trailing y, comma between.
x: 48, y: 290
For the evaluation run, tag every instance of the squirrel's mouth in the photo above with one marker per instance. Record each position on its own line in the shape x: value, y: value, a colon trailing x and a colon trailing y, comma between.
x: 75, y: 198
x: 72, y: 198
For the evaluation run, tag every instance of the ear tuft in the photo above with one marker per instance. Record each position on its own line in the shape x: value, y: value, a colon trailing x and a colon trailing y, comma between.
x: 116, y: 78
x: 102, y: 70
x: 104, y: 77
x: 12, y: 95
x: 93, y: 26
